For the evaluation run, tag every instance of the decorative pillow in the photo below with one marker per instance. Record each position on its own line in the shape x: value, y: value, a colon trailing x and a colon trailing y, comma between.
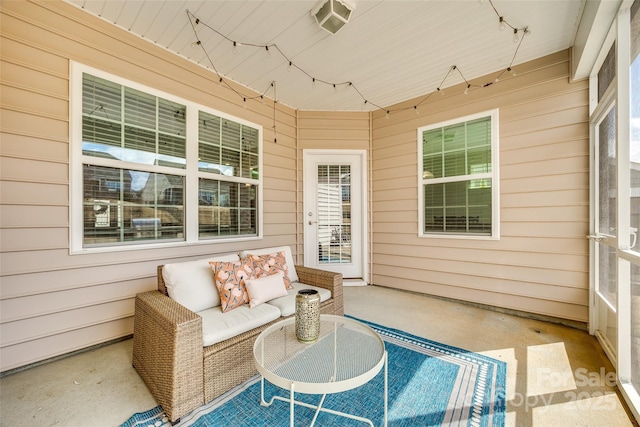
x: 291, y: 266
x: 265, y: 289
x: 266, y: 265
x: 229, y: 278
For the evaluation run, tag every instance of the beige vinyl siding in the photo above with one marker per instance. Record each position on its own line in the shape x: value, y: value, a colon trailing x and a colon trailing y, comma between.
x: 52, y: 302
x: 333, y: 130
x: 540, y: 263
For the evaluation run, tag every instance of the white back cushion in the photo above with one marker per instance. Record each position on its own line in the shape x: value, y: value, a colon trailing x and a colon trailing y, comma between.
x: 191, y: 284
x: 293, y: 276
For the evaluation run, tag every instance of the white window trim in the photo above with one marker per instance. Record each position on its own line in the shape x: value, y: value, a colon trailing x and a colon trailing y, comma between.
x: 191, y: 172
x: 494, y: 175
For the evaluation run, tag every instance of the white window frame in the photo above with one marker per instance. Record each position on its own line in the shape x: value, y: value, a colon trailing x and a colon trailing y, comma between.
x: 494, y: 175
x: 191, y: 172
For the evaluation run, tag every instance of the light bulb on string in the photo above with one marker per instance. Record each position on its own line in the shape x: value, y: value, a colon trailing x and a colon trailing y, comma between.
x: 196, y: 43
x: 220, y: 82
x: 244, y: 101
x: 387, y: 115
x: 415, y: 107
x: 364, y: 104
x: 512, y: 71
x: 502, y: 24
x: 466, y: 91
x: 516, y: 36
x: 290, y: 67
x: 441, y: 91
x: 268, y: 51
x: 313, y: 82
x: 335, y: 88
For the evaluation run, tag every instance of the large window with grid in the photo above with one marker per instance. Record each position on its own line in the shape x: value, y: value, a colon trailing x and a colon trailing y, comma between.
x: 458, y: 178
x: 151, y: 168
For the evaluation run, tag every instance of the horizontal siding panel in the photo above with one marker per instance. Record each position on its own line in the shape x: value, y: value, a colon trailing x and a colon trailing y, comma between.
x: 552, y: 150
x: 503, y: 272
x: 20, y: 309
x: 18, y: 332
x: 551, y: 214
x: 544, y: 307
x: 25, y: 239
x: 32, y: 193
x: 538, y: 198
x: 39, y: 69
x: 575, y: 245
x: 551, y: 229
x: 27, y: 147
x: 14, y: 216
x: 19, y: 99
x: 101, y: 277
x: 567, y: 262
x: 542, y: 137
x: 497, y: 285
x: 54, y: 345
x: 565, y: 166
x: 334, y: 134
x: 578, y: 181
x: 38, y: 126
x: 34, y: 170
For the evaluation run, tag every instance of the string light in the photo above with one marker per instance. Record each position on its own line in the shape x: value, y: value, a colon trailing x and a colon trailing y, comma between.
x: 518, y: 36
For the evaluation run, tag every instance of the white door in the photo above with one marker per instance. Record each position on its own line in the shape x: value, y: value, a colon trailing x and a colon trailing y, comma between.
x: 334, y: 211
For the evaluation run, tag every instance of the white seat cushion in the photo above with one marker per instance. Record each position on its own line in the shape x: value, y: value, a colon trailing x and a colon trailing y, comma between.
x: 291, y: 267
x: 287, y: 304
x: 191, y: 283
x: 218, y: 326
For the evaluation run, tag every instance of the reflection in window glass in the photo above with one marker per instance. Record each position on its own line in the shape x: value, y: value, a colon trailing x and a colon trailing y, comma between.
x: 122, y: 205
x: 226, y: 208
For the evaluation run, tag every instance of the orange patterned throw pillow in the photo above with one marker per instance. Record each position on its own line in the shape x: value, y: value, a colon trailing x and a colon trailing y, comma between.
x: 266, y: 265
x: 229, y: 278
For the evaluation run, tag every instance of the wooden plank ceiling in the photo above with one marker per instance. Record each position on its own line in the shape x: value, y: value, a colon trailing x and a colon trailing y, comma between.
x: 390, y: 51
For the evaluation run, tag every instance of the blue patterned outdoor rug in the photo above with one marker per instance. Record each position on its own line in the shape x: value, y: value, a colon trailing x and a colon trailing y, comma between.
x: 430, y: 384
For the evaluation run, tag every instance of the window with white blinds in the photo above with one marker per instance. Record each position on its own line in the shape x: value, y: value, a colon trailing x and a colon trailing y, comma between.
x: 458, y: 195
x: 140, y: 184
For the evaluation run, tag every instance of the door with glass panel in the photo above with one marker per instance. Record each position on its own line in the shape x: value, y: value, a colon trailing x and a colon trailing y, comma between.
x: 333, y: 212
x: 605, y: 296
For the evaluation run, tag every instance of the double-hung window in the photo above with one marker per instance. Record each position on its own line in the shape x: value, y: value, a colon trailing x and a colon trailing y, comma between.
x: 151, y: 168
x: 458, y: 178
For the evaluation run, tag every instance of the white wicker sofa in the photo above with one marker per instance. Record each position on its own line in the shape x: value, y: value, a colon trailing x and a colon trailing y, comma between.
x: 188, y: 351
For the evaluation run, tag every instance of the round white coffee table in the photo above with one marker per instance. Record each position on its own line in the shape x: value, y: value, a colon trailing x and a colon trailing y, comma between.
x: 347, y: 354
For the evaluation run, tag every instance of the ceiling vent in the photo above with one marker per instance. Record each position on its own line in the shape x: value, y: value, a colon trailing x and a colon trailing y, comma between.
x: 331, y: 15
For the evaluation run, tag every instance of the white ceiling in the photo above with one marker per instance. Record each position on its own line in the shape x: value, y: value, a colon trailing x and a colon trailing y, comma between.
x: 390, y: 50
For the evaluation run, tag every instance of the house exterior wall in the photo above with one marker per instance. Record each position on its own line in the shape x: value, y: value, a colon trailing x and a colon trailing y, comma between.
x: 52, y: 302
x: 540, y: 263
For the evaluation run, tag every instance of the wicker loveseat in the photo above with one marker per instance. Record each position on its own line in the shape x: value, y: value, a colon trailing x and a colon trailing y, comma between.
x: 179, y: 370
